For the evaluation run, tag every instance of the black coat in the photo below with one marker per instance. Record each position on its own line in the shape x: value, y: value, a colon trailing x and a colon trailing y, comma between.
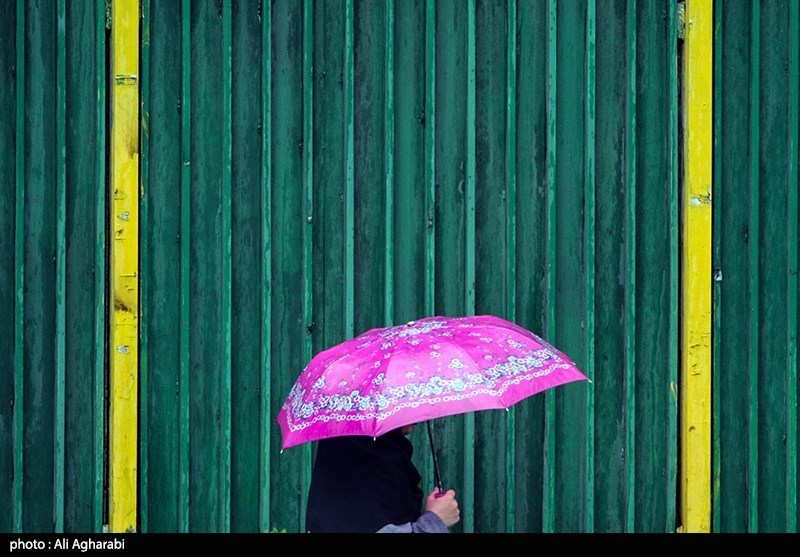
x: 360, y: 484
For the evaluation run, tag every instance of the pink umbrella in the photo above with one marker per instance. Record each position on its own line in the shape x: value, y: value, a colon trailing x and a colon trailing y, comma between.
x: 389, y: 377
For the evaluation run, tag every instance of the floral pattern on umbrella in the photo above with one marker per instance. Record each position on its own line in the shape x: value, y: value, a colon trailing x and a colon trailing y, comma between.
x: 389, y: 377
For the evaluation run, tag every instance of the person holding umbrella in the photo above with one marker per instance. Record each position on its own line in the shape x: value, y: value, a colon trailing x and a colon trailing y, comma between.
x: 358, y: 398
x: 364, y: 485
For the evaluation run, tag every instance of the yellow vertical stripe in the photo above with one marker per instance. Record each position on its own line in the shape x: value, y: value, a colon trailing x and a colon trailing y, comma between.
x: 696, y: 269
x: 124, y: 275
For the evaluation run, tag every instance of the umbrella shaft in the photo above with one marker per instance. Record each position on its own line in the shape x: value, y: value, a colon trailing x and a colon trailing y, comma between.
x: 437, y: 477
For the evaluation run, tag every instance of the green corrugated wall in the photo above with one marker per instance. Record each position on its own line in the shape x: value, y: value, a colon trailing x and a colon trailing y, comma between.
x: 52, y: 265
x: 314, y: 168
x: 755, y: 265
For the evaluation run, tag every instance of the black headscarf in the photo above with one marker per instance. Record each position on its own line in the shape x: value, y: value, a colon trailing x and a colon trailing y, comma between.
x: 360, y: 484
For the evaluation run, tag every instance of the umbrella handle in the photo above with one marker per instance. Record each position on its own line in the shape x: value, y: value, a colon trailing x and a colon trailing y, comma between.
x: 437, y: 477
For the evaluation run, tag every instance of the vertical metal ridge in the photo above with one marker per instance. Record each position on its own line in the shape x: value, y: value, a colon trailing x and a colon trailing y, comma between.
x: 753, y: 270
x: 469, y: 200
x: 185, y: 297
x: 61, y: 260
x: 695, y: 439
x: 227, y: 276
x: 144, y: 254
x: 388, y: 124
x: 589, y: 256
x: 430, y: 155
x: 674, y: 279
x: 349, y: 178
x: 100, y: 267
x: 430, y: 165
x: 124, y: 257
x: 716, y: 331
x: 265, y: 477
x: 791, y: 278
x: 468, y: 491
x: 308, y: 209
x: 511, y: 241
x: 19, y: 275
x: 549, y: 488
x: 630, y: 278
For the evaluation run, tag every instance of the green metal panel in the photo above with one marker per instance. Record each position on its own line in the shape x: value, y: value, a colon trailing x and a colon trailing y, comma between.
x: 716, y: 426
x: 10, y: 261
x: 52, y: 277
x: 210, y: 486
x: 409, y: 160
x: 511, y: 241
x: 246, y: 278
x: 791, y: 289
x: 279, y: 242
x: 265, y: 368
x: 40, y: 244
x: 753, y: 269
x: 391, y: 160
x: 9, y: 264
x: 656, y: 276
x: 525, y: 188
x: 449, y: 217
x: 143, y: 462
x: 330, y: 147
x: 307, y: 200
x: 656, y: 236
x: 207, y: 340
x: 232, y: 186
x: 589, y: 193
x: 531, y: 264
x: 162, y: 399
x: 551, y: 83
x: 732, y: 38
x: 566, y: 300
x: 755, y: 259
x: 491, y: 253
x: 366, y: 113
x: 773, y: 248
x: 636, y: 269
x: 85, y: 281
x: 414, y: 116
x: 289, y: 221
x: 315, y: 168
x: 610, y: 389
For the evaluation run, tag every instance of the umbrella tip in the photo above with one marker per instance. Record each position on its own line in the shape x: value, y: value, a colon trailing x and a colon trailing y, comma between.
x: 281, y: 451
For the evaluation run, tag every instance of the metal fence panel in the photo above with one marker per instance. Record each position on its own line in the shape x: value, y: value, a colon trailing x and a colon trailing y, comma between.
x: 382, y: 161
x: 52, y: 275
x: 755, y: 266
x: 313, y: 169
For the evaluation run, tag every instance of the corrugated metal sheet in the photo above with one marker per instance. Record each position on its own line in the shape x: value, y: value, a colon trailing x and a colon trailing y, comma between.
x: 52, y: 257
x: 377, y: 162
x: 311, y: 169
x: 755, y: 265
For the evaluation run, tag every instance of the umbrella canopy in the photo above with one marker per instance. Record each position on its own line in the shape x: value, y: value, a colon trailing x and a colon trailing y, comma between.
x: 439, y: 366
